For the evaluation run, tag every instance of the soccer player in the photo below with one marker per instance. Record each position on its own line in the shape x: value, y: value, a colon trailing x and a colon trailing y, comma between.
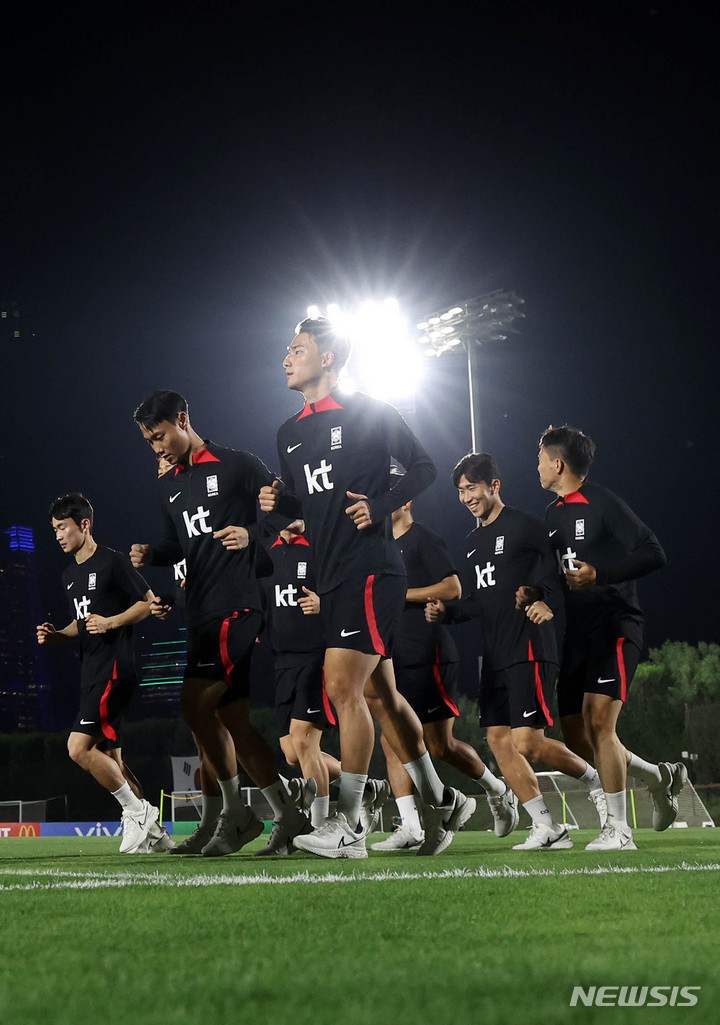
x: 107, y: 597
x: 519, y: 648
x: 602, y: 548
x: 335, y: 459
x: 209, y: 515
x: 425, y: 660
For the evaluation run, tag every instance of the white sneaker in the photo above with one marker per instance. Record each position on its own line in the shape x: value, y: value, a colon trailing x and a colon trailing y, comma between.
x: 336, y: 839
x: 136, y: 826
x: 546, y: 838
x: 233, y: 831
x: 442, y: 823
x: 673, y: 777
x: 159, y: 840
x: 194, y: 843
x: 403, y: 839
x: 376, y: 794
x: 283, y: 833
x: 504, y: 812
x: 597, y: 796
x: 613, y: 837
x: 302, y: 791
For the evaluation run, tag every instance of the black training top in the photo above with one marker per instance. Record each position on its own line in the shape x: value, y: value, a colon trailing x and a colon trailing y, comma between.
x: 218, y: 489
x: 289, y: 629
x: 427, y: 562
x: 593, y: 525
x: 510, y: 552
x: 345, y: 443
x: 106, y: 584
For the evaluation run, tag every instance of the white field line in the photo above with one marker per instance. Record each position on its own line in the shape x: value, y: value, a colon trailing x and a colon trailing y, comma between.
x: 60, y: 879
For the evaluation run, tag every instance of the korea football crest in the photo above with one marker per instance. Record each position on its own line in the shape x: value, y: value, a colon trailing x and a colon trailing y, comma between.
x: 212, y: 485
x: 580, y: 530
x: 335, y: 438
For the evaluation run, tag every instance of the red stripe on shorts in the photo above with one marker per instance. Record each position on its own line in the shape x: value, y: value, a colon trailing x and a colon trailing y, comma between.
x: 540, y: 695
x: 227, y: 662
x: 329, y: 714
x: 375, y: 637
x: 107, y: 729
x: 621, y: 668
x: 438, y: 682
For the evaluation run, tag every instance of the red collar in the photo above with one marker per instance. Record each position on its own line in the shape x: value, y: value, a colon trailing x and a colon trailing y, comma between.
x: 328, y: 402
x: 574, y: 498
x: 296, y: 539
x: 203, y: 456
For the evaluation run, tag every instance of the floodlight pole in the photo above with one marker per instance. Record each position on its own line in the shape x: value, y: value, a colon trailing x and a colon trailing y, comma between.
x: 472, y: 389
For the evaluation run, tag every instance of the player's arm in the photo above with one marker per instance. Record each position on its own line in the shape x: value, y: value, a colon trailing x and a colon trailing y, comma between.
x: 447, y: 589
x: 310, y: 602
x: 165, y: 552
x: 543, y: 597
x: 47, y: 634
x: 644, y: 552
x: 140, y: 610
x: 420, y: 470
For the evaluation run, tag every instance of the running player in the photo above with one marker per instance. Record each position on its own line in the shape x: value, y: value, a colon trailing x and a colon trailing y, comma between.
x: 209, y: 515
x: 425, y: 660
x: 335, y: 458
x: 519, y: 651
x: 602, y: 548
x: 107, y: 597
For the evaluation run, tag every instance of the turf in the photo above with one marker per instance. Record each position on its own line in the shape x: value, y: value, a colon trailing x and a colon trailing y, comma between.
x: 479, y: 935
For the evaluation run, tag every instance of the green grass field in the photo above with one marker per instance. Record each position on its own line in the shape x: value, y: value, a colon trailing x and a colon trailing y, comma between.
x: 477, y: 936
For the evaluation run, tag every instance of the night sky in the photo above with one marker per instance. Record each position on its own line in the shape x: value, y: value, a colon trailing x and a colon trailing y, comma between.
x: 180, y: 181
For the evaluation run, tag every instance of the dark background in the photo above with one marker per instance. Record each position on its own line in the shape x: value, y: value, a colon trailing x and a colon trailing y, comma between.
x: 179, y: 181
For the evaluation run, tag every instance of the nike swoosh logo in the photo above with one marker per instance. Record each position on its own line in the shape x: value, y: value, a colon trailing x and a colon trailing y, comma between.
x: 87, y: 722
x: 343, y: 844
x: 553, y: 532
x: 526, y: 715
x: 173, y: 497
x: 205, y: 665
x: 70, y: 585
x: 471, y: 553
x: 313, y: 711
x: 431, y: 710
x: 348, y: 633
x: 291, y: 448
x: 610, y: 679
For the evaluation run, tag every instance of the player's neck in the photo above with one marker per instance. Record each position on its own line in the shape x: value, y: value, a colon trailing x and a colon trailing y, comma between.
x: 197, y: 444
x: 494, y: 513
x: 402, y: 526
x: 566, y: 485
x: 314, y: 391
x: 86, y: 550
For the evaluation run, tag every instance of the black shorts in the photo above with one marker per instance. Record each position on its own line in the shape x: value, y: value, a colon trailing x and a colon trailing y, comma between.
x: 362, y: 614
x: 594, y: 666
x: 102, y: 706
x: 221, y: 649
x: 300, y: 693
x: 519, y: 695
x: 428, y: 689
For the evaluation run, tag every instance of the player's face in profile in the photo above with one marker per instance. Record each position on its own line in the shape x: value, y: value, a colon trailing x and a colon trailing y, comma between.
x: 478, y: 498
x: 169, y: 441
x: 303, y: 363
x: 547, y: 469
x: 68, y: 534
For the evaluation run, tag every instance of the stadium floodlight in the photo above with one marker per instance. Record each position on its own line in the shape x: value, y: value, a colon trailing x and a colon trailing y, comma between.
x: 470, y: 325
x: 385, y: 360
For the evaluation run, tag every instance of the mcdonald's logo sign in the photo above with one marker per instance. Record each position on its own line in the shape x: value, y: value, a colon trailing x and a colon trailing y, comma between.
x: 19, y: 829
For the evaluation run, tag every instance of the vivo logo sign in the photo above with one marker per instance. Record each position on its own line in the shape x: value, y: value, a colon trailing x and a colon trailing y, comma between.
x: 635, y: 996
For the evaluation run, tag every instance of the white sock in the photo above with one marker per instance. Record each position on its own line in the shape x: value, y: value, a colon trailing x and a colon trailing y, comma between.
x: 538, y: 811
x: 648, y: 772
x: 320, y: 811
x: 212, y: 805
x: 407, y: 807
x: 127, y: 798
x: 232, y: 801
x: 352, y: 788
x: 278, y: 798
x: 428, y: 783
x: 494, y: 786
x: 590, y: 777
x: 617, y: 808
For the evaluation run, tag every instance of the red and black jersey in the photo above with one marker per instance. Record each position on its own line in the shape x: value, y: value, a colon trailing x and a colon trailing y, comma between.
x: 427, y: 562
x: 218, y: 489
x: 510, y: 552
x: 106, y: 584
x: 593, y: 525
x: 289, y: 629
x: 345, y: 443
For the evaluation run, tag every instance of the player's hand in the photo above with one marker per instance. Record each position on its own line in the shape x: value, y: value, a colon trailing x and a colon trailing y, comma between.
x: 539, y: 612
x: 140, y: 555
x: 435, y: 611
x: 525, y: 596
x: 234, y: 538
x: 46, y: 633
x: 268, y: 497
x: 359, y: 512
x: 310, y: 604
x: 160, y: 609
x: 97, y: 624
x: 581, y: 577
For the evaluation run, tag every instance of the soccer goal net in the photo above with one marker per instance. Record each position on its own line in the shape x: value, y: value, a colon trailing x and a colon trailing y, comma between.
x: 51, y: 809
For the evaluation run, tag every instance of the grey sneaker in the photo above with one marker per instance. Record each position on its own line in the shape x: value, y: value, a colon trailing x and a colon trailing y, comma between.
x: 442, y: 822
x: 282, y: 834
x: 673, y: 777
x: 194, y: 843
x: 377, y: 791
x: 302, y: 791
x: 234, y: 829
x: 597, y: 797
x: 504, y: 812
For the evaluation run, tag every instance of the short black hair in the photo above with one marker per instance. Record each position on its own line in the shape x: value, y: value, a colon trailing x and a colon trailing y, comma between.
x: 161, y: 405
x: 575, y: 449
x: 476, y: 466
x: 327, y: 338
x: 73, y: 506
